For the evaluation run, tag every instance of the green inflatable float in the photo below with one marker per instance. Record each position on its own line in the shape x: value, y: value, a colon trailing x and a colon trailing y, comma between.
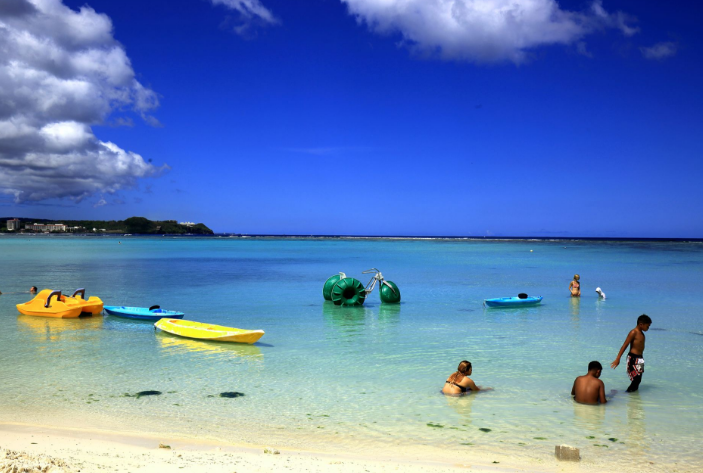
x: 346, y: 291
x: 390, y: 294
x: 329, y: 284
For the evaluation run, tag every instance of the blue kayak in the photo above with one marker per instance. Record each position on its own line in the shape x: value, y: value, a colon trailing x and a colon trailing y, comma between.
x: 513, y: 301
x: 142, y: 313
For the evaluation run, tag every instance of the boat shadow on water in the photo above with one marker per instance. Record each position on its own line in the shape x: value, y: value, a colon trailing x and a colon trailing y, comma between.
x: 389, y: 313
x: 512, y: 312
x: 345, y: 317
x: 180, y: 345
x: 122, y: 324
x: 352, y: 319
x: 51, y: 329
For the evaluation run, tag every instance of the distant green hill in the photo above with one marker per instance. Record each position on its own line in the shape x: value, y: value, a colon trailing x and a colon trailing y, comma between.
x: 135, y: 225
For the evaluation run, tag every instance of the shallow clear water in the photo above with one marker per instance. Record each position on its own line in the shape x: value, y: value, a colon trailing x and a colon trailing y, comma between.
x: 358, y: 379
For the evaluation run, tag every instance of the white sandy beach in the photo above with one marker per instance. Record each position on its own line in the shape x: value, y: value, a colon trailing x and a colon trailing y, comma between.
x: 31, y: 448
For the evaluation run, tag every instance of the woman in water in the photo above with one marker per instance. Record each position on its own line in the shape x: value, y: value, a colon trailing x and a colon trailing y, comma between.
x: 459, y: 382
x: 575, y: 286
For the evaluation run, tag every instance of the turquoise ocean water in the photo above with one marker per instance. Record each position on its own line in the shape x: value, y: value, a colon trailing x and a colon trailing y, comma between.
x: 364, y: 379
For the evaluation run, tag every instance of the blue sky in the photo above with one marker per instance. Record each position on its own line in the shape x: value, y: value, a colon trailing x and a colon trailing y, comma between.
x: 344, y: 117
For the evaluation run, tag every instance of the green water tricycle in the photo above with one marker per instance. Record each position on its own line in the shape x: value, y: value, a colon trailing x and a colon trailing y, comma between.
x: 343, y: 290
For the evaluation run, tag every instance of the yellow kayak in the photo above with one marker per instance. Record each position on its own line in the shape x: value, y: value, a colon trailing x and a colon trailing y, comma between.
x: 48, y: 304
x: 218, y: 333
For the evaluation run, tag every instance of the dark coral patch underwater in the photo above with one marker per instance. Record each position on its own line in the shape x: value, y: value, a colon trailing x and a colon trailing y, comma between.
x: 232, y: 394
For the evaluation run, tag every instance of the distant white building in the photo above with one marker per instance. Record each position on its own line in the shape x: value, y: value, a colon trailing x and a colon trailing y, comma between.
x: 48, y: 227
x: 13, y: 224
x: 187, y: 224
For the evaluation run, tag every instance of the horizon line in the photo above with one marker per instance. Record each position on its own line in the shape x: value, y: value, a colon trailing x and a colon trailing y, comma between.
x: 382, y: 237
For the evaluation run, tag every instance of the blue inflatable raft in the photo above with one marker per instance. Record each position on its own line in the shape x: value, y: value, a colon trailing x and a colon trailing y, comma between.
x: 513, y: 301
x: 142, y: 313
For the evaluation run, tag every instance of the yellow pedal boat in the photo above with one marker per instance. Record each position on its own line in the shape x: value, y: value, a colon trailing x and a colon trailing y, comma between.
x: 93, y: 305
x: 217, y: 333
x: 48, y: 304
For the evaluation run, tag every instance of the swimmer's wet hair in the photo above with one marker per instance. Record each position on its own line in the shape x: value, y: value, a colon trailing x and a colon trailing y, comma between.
x: 644, y: 319
x: 464, y: 367
x: 595, y: 365
x: 461, y: 372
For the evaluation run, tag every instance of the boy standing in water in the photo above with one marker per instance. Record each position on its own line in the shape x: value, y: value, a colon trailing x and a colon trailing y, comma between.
x: 635, y: 362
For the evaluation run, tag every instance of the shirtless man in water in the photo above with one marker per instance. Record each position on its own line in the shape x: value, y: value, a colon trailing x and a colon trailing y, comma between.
x: 635, y: 361
x: 588, y: 389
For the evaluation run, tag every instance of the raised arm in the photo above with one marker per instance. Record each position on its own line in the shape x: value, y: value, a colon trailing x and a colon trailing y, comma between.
x: 628, y: 340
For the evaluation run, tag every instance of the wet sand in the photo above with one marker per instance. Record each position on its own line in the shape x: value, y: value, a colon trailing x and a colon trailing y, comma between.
x: 52, y: 450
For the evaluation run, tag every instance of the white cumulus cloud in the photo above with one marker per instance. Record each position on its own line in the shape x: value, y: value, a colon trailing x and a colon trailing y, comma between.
x: 660, y: 50
x: 484, y: 30
x: 61, y: 72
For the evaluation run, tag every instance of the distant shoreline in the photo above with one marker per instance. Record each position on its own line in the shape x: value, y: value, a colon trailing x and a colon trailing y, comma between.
x: 373, y: 237
x: 132, y: 225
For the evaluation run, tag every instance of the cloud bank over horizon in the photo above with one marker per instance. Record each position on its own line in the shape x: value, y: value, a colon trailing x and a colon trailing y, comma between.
x: 61, y: 72
x: 484, y: 31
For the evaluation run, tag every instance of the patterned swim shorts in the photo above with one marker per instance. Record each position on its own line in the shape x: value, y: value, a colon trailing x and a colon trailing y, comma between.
x: 635, y: 365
